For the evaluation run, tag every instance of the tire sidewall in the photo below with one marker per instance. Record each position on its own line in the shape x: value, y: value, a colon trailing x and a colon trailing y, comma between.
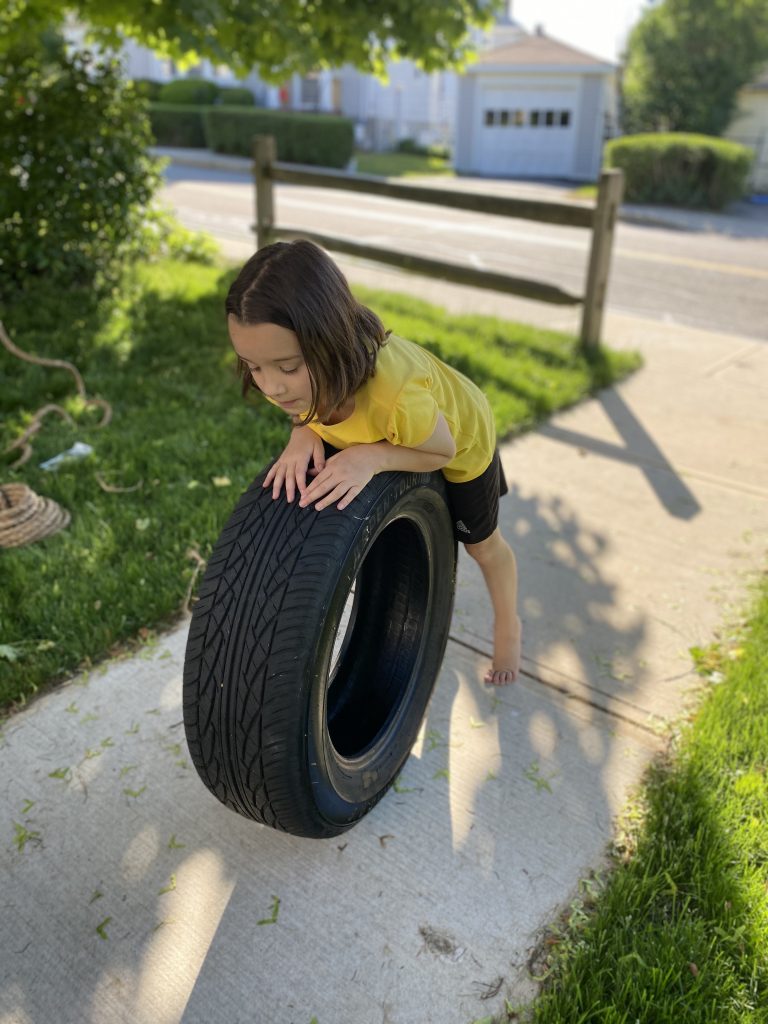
x: 344, y: 789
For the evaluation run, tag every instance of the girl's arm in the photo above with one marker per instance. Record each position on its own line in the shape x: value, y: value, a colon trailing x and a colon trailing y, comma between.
x: 347, y: 473
x: 436, y: 452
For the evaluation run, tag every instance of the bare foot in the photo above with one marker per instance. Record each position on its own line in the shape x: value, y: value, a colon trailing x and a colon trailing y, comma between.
x: 506, y: 656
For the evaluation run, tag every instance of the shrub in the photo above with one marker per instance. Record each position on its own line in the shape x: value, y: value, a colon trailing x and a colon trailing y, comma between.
x: 301, y: 138
x: 176, y: 124
x: 76, y: 176
x: 235, y: 96
x: 192, y: 91
x: 147, y: 88
x: 680, y: 169
x: 413, y: 148
x: 166, y: 238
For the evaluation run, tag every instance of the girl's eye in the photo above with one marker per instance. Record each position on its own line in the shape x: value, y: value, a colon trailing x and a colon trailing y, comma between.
x: 255, y: 369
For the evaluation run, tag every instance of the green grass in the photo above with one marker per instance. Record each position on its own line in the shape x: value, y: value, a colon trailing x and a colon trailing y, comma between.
x: 678, y: 931
x: 180, y: 427
x: 584, y: 192
x: 400, y: 165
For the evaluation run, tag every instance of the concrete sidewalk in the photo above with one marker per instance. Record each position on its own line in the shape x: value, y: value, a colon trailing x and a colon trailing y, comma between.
x: 743, y: 219
x: 637, y: 518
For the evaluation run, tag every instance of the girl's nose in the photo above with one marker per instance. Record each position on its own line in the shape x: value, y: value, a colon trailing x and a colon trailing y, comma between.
x: 272, y: 388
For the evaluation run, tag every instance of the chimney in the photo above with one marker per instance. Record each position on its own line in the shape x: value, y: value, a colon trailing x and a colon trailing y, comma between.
x: 539, y: 29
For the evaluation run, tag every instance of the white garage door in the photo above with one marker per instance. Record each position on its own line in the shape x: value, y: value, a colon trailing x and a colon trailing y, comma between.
x: 525, y: 132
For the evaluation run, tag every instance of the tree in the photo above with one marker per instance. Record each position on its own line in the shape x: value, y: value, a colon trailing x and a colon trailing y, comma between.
x: 276, y: 37
x: 69, y: 130
x: 686, y: 61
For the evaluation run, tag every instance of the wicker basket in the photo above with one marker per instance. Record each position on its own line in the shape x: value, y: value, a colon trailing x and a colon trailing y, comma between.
x: 26, y: 517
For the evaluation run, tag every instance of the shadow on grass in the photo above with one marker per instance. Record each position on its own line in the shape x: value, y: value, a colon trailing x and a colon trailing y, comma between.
x: 680, y: 931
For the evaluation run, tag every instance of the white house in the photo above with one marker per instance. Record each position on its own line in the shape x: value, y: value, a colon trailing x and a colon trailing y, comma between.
x: 529, y: 105
x: 534, y: 107
x: 750, y: 127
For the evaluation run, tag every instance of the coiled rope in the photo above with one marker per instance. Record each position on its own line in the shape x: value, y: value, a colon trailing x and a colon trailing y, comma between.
x: 24, y: 515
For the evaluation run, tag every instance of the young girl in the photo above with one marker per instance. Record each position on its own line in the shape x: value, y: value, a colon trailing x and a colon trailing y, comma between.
x: 305, y: 342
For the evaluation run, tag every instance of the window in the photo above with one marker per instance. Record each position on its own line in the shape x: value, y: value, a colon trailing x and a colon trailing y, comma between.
x: 565, y: 118
x: 534, y: 118
x: 550, y: 118
x: 310, y: 90
x: 519, y: 118
x: 489, y: 118
x: 504, y: 117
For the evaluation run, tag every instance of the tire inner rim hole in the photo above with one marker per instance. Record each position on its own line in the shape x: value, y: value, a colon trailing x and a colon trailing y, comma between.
x: 378, y: 641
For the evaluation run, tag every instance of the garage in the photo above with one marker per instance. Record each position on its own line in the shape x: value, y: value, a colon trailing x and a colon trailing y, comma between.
x: 535, y: 108
x: 523, y: 131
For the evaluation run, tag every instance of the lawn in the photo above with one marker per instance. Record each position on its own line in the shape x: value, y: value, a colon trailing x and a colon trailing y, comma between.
x: 401, y: 165
x: 585, y: 192
x: 679, y: 929
x: 183, y: 437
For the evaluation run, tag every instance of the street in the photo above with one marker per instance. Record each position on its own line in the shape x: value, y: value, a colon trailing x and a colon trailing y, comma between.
x: 703, y: 280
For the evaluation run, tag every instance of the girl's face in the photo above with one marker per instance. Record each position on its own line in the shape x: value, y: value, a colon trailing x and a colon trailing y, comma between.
x: 273, y: 356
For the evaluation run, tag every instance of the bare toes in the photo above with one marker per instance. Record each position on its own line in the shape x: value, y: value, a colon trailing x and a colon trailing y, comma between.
x: 500, y: 676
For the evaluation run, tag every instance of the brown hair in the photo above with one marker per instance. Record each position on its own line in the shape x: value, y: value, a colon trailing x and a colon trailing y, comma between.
x: 296, y: 285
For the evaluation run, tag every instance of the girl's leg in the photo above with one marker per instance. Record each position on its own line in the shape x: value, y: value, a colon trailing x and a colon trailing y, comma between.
x: 497, y: 561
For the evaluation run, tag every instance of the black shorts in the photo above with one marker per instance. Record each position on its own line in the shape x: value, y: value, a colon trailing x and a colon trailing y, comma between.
x: 475, y: 504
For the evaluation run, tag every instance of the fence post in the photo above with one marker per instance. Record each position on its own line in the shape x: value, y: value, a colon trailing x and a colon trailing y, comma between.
x: 264, y: 155
x: 608, y: 199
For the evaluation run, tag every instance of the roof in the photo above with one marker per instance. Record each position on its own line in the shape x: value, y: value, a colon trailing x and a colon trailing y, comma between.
x: 538, y: 49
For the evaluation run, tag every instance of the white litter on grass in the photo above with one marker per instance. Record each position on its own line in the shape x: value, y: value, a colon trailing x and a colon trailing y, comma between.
x: 79, y: 450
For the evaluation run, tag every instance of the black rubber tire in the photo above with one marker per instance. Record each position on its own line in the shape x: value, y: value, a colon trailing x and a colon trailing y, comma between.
x: 271, y: 735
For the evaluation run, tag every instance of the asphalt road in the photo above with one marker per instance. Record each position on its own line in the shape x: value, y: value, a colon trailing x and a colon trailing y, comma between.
x: 702, y: 280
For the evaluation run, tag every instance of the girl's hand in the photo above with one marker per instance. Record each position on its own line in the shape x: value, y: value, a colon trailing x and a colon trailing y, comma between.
x: 344, y: 476
x: 291, y: 467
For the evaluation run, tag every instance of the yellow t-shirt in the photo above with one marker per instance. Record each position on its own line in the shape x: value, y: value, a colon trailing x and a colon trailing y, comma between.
x: 401, y: 403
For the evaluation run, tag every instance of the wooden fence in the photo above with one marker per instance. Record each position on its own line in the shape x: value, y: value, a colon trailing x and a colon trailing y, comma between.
x: 600, y: 218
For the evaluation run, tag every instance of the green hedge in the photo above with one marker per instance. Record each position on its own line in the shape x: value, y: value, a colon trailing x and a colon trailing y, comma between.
x: 195, y: 92
x: 235, y: 96
x: 176, y: 124
x: 680, y: 169
x: 192, y: 91
x: 318, y: 139
x: 301, y: 138
x: 148, y: 88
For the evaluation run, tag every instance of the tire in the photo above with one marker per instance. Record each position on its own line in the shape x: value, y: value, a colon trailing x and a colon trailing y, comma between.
x: 287, y: 723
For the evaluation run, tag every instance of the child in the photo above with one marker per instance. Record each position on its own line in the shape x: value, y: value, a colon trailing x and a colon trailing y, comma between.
x: 305, y: 342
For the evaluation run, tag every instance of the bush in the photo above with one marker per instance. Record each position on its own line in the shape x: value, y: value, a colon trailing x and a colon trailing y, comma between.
x: 301, y: 138
x: 680, y: 169
x: 165, y: 237
x: 191, y: 91
x: 76, y: 176
x: 414, y: 148
x: 235, y: 96
x: 176, y: 124
x: 147, y: 88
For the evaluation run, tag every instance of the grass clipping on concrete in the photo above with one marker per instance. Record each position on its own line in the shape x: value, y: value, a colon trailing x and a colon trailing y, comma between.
x: 183, y: 445
x: 680, y: 930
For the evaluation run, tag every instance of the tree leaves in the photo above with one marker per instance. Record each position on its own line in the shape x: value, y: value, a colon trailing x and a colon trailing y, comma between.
x: 679, y: 76
x: 276, y: 37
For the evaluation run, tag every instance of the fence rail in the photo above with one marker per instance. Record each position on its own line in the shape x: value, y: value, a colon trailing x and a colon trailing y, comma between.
x: 600, y: 219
